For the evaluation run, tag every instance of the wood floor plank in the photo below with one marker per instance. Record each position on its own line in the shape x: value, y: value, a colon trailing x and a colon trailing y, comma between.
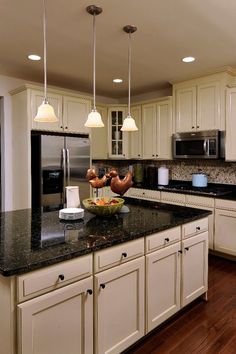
x: 202, y: 327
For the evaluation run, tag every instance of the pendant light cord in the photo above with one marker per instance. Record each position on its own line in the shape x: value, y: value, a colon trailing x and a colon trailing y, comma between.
x: 129, y: 65
x: 94, y: 62
x: 45, y: 52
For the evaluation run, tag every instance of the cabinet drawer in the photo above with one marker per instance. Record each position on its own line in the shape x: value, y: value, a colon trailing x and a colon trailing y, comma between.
x: 41, y: 281
x: 162, y: 239
x: 200, y: 201
x: 173, y: 198
x: 225, y: 204
x: 195, y: 227
x: 152, y: 195
x: 116, y: 255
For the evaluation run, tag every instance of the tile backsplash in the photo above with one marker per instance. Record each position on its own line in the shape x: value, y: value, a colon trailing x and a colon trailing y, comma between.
x: 217, y: 171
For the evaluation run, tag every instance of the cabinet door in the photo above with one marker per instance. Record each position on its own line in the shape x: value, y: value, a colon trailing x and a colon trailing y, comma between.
x: 163, y: 285
x: 55, y: 101
x: 75, y: 114
x: 119, y: 307
x: 118, y: 140
x: 211, y: 221
x: 164, y: 130
x: 58, y: 322
x: 208, y: 106
x: 99, y: 141
x: 230, y: 141
x: 135, y: 138
x: 194, y: 267
x: 149, y: 130
x: 225, y: 226
x: 185, y: 109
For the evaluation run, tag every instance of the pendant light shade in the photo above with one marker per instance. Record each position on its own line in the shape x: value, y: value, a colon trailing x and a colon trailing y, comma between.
x: 129, y: 124
x: 94, y: 119
x: 45, y: 112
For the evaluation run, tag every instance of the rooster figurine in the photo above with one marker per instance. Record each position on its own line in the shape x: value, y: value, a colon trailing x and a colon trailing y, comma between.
x: 120, y: 186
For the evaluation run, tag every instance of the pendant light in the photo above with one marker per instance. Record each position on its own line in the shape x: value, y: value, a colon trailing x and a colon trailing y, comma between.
x: 129, y: 124
x: 94, y: 119
x: 45, y: 112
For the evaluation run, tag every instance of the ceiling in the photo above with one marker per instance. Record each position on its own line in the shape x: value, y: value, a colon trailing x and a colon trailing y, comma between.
x: 167, y: 31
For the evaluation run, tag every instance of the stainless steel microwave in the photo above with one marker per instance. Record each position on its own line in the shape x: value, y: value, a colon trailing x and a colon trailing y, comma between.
x: 208, y: 144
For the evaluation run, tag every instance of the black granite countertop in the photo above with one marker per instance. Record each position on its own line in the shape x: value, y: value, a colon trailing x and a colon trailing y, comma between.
x: 226, y: 191
x: 31, y: 239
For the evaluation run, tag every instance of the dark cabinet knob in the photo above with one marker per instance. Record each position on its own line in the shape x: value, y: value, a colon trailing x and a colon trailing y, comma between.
x: 153, y: 155
x: 138, y: 154
x: 156, y: 155
x: 167, y: 239
x: 102, y: 286
x: 124, y: 254
x: 186, y: 248
x: 180, y: 251
x: 89, y: 291
x: 61, y: 277
x: 61, y: 126
x: 198, y: 126
x: 192, y: 127
x: 198, y: 228
x: 66, y: 127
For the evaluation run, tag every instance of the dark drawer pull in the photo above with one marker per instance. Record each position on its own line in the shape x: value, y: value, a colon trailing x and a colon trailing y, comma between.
x: 180, y: 251
x: 102, y: 286
x: 61, y: 277
x: 89, y: 291
x: 167, y: 239
x: 186, y: 248
x: 124, y: 254
x: 198, y: 228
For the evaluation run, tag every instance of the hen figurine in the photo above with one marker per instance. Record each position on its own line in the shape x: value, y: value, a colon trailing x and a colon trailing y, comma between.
x: 120, y: 186
x: 93, y: 179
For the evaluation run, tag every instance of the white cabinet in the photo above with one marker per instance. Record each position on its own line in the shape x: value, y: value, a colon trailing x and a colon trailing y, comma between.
x: 99, y: 141
x: 194, y: 267
x: 157, y: 129
x: 230, y: 141
x: 173, y: 198
x: 135, y: 138
x: 199, y: 104
x: 225, y: 231
x: 71, y: 111
x: 58, y: 322
x: 118, y: 140
x: 36, y: 99
x: 119, y: 307
x: 163, y: 285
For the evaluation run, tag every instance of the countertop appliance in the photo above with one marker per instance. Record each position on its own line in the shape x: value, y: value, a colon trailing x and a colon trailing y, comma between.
x: 209, y: 144
x: 58, y: 160
x: 163, y: 176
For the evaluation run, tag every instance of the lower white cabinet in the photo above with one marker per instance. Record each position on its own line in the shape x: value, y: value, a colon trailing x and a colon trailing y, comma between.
x: 162, y: 285
x: 225, y: 231
x: 58, y: 322
x: 119, y: 307
x: 194, y: 267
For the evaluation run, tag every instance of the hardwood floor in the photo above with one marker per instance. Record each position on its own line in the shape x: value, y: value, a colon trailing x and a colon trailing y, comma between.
x: 202, y: 327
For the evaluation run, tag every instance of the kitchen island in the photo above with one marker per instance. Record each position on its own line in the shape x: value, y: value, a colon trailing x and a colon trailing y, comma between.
x: 126, y: 274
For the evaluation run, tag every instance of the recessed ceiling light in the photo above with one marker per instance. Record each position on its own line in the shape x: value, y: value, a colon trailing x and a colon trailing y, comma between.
x: 188, y: 59
x: 34, y: 57
x: 117, y: 81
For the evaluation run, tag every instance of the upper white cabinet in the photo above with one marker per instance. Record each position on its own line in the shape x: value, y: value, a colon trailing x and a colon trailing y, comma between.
x: 135, y: 138
x: 35, y: 99
x: 230, y: 141
x: 99, y: 141
x: 157, y: 129
x: 118, y: 140
x: 199, y: 104
x: 71, y: 109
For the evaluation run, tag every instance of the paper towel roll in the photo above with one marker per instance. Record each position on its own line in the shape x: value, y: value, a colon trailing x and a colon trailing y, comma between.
x: 72, y: 197
x: 163, y: 176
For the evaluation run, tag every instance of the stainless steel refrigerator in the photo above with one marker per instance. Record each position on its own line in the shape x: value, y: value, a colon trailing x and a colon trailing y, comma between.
x: 57, y: 161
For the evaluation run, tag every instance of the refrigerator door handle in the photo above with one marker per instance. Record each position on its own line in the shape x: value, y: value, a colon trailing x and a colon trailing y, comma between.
x: 68, y: 166
x: 64, y: 172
